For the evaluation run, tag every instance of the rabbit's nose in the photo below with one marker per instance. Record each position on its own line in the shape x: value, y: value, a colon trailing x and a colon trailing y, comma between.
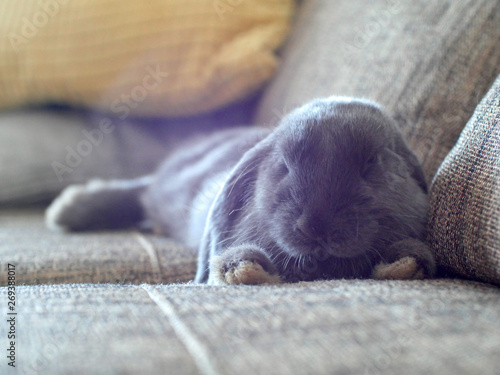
x: 317, y: 230
x: 311, y: 228
x: 337, y: 237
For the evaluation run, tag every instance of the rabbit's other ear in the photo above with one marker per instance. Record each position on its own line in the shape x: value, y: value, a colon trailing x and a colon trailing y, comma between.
x: 227, y: 210
x: 411, y: 161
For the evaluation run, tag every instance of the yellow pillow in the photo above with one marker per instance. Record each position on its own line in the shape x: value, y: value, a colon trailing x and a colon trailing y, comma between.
x: 155, y: 57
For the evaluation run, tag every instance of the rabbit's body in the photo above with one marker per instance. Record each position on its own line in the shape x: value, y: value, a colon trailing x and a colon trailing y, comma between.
x: 333, y: 192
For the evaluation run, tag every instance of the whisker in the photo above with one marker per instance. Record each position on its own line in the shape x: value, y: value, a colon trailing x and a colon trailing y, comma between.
x: 287, y: 261
x: 249, y: 168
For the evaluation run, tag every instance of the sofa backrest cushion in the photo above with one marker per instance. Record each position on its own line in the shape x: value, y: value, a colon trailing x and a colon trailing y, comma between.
x: 428, y: 63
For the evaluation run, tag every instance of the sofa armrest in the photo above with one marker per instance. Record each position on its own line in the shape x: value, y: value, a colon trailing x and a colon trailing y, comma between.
x: 464, y: 226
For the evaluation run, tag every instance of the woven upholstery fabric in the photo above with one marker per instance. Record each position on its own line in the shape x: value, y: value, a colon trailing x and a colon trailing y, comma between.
x: 157, y: 57
x: 43, y: 257
x: 464, y: 227
x: 334, y: 327
x: 428, y: 63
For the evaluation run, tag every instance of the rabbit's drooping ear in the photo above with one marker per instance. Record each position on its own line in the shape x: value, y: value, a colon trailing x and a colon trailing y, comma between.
x: 411, y: 162
x: 229, y: 205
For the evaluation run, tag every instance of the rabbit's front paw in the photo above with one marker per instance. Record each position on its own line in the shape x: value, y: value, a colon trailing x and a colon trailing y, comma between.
x: 243, y: 265
x: 408, y: 259
x: 406, y: 268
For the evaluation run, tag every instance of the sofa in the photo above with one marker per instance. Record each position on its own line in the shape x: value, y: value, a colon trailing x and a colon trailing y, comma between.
x: 122, y: 302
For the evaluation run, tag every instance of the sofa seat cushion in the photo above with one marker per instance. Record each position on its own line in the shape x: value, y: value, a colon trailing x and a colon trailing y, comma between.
x: 42, y: 257
x: 334, y: 327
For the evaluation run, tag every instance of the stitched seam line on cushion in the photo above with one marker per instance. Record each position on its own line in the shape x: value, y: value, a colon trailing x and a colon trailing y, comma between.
x: 150, y: 250
x: 196, y: 349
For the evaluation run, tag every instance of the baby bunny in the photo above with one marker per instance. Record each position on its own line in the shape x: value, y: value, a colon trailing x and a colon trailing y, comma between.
x: 332, y: 192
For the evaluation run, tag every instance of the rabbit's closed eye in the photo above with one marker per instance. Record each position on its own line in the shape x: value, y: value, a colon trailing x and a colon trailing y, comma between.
x: 368, y: 165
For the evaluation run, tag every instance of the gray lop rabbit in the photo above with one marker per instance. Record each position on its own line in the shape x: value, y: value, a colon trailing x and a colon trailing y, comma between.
x: 332, y: 192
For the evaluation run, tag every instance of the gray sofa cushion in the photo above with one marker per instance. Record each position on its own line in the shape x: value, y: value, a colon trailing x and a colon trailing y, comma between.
x: 334, y: 327
x: 464, y: 223
x: 428, y: 63
x: 42, y: 151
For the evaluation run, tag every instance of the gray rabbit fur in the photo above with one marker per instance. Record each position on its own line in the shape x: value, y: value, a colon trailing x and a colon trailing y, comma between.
x: 332, y: 192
